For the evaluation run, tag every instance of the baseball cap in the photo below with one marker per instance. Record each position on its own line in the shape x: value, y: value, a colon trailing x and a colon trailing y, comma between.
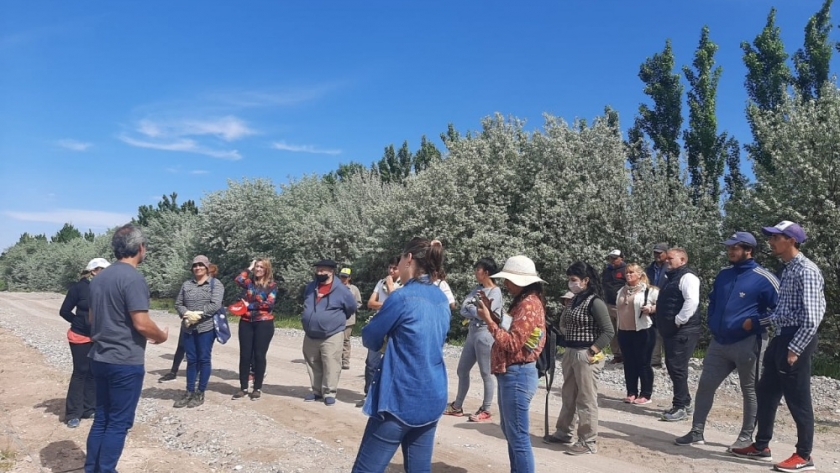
x: 97, y: 263
x: 660, y: 247
x: 746, y: 238
x: 326, y: 263
x: 345, y: 273
x: 614, y: 254
x: 787, y: 228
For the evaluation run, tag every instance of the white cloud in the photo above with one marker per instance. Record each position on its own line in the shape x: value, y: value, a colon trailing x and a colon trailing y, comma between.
x: 265, y: 98
x: 282, y: 145
x: 74, y: 145
x: 78, y: 217
x: 184, y: 145
x: 199, y: 171
x: 228, y: 128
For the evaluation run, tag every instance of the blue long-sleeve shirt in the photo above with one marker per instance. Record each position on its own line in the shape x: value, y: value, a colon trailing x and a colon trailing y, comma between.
x: 411, y: 382
x: 801, y: 302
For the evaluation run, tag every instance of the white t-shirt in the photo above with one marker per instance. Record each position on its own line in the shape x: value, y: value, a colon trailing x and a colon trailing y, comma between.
x: 381, y: 290
x: 447, y: 291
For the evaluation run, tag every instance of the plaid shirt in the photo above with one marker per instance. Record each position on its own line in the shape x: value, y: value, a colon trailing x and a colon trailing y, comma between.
x: 801, y: 302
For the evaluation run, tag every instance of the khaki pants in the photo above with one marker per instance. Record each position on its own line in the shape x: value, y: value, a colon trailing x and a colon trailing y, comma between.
x: 580, y: 396
x: 345, y: 351
x: 614, y: 347
x: 323, y: 362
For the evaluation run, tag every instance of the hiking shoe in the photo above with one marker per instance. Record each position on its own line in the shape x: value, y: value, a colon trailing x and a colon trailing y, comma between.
x: 480, y: 415
x: 676, y: 414
x: 561, y: 440
x: 795, y: 463
x: 73, y: 423
x: 312, y: 397
x: 692, y: 438
x: 742, y: 442
x: 240, y: 394
x: 689, y: 409
x: 451, y: 410
x: 89, y: 414
x: 168, y: 377
x: 255, y: 395
x: 582, y: 448
x: 197, y: 399
x: 642, y: 400
x: 630, y: 399
x: 753, y: 453
x: 184, y: 400
x: 329, y: 401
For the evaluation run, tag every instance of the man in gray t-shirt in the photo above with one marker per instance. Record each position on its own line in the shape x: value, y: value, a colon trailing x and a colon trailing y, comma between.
x: 120, y: 326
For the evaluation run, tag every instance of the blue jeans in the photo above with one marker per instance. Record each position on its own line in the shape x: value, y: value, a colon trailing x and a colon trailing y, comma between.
x: 516, y: 389
x: 117, y: 393
x: 381, y: 439
x: 198, y: 348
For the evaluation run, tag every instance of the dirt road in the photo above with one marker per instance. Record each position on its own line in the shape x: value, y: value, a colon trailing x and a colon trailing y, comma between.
x: 281, y: 433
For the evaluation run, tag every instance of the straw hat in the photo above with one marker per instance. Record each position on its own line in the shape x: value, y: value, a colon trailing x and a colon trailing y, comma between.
x: 519, y: 270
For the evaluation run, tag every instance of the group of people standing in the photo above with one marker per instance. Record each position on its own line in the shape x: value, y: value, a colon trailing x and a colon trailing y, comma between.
x: 406, y: 382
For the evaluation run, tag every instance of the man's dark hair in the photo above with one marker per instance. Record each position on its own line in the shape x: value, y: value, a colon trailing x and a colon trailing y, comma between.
x: 395, y: 261
x: 488, y: 264
x: 126, y: 241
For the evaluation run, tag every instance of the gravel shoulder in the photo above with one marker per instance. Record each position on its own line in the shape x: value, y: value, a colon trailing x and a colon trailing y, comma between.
x: 281, y: 433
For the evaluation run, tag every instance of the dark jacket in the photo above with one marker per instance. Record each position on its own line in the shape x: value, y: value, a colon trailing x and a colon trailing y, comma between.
x: 327, y: 317
x: 613, y: 279
x: 650, y: 271
x: 740, y: 292
x: 77, y: 297
x: 670, y: 304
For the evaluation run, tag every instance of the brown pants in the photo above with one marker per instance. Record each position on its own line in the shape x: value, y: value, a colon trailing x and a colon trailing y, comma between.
x: 323, y: 362
x: 580, y: 396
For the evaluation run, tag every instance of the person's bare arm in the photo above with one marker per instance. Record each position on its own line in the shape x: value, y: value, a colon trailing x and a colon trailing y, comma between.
x: 373, y: 302
x: 147, y: 328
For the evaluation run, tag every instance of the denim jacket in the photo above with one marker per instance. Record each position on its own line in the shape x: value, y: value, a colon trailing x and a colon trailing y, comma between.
x: 411, y: 382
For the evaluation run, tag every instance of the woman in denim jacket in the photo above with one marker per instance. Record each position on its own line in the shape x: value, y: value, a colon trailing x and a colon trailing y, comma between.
x: 408, y: 393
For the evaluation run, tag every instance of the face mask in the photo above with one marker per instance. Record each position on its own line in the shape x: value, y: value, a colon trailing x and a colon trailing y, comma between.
x: 322, y: 278
x: 576, y: 287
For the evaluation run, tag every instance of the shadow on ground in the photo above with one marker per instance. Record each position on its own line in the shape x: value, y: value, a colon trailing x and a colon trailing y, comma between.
x: 63, y: 456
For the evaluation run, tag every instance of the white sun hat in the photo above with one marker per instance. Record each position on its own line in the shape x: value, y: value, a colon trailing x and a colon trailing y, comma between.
x: 519, y: 270
x: 97, y: 263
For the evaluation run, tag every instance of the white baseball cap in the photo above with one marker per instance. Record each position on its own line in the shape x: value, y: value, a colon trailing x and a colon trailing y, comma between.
x: 97, y: 263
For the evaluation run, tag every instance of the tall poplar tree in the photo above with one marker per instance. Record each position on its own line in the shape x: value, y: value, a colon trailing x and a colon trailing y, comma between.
x: 812, y: 60
x: 767, y: 81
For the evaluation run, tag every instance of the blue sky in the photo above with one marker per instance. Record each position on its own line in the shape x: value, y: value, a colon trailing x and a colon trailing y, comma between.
x: 106, y: 106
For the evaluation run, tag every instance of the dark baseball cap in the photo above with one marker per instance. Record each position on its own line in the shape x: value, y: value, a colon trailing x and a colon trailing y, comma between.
x: 787, y: 228
x: 660, y: 247
x: 327, y: 263
x: 745, y: 238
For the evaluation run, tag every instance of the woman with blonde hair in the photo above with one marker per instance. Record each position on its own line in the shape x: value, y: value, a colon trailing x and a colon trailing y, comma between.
x: 256, y: 327
x: 635, y: 304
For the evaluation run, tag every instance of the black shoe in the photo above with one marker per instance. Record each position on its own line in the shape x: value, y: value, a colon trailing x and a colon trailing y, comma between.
x: 168, y: 377
x: 197, y: 399
x: 255, y: 395
x: 692, y: 438
x: 89, y: 414
x: 240, y: 394
x: 183, y: 401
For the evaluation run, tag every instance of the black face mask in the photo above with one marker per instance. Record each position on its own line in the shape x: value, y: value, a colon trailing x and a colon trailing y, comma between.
x: 322, y: 278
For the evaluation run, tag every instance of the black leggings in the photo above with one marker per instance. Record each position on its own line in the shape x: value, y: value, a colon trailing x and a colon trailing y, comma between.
x: 179, y: 353
x: 254, y: 338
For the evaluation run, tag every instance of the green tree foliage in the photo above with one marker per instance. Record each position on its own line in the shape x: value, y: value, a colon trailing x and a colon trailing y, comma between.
x: 426, y: 155
x: 663, y: 122
x: 802, y: 138
x: 89, y: 235
x: 145, y: 213
x: 767, y: 80
x: 812, y: 60
x: 67, y: 233
x: 706, y: 150
x: 389, y: 166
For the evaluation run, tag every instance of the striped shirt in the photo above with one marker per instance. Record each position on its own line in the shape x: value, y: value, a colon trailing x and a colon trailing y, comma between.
x: 801, y: 302
x: 200, y: 297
